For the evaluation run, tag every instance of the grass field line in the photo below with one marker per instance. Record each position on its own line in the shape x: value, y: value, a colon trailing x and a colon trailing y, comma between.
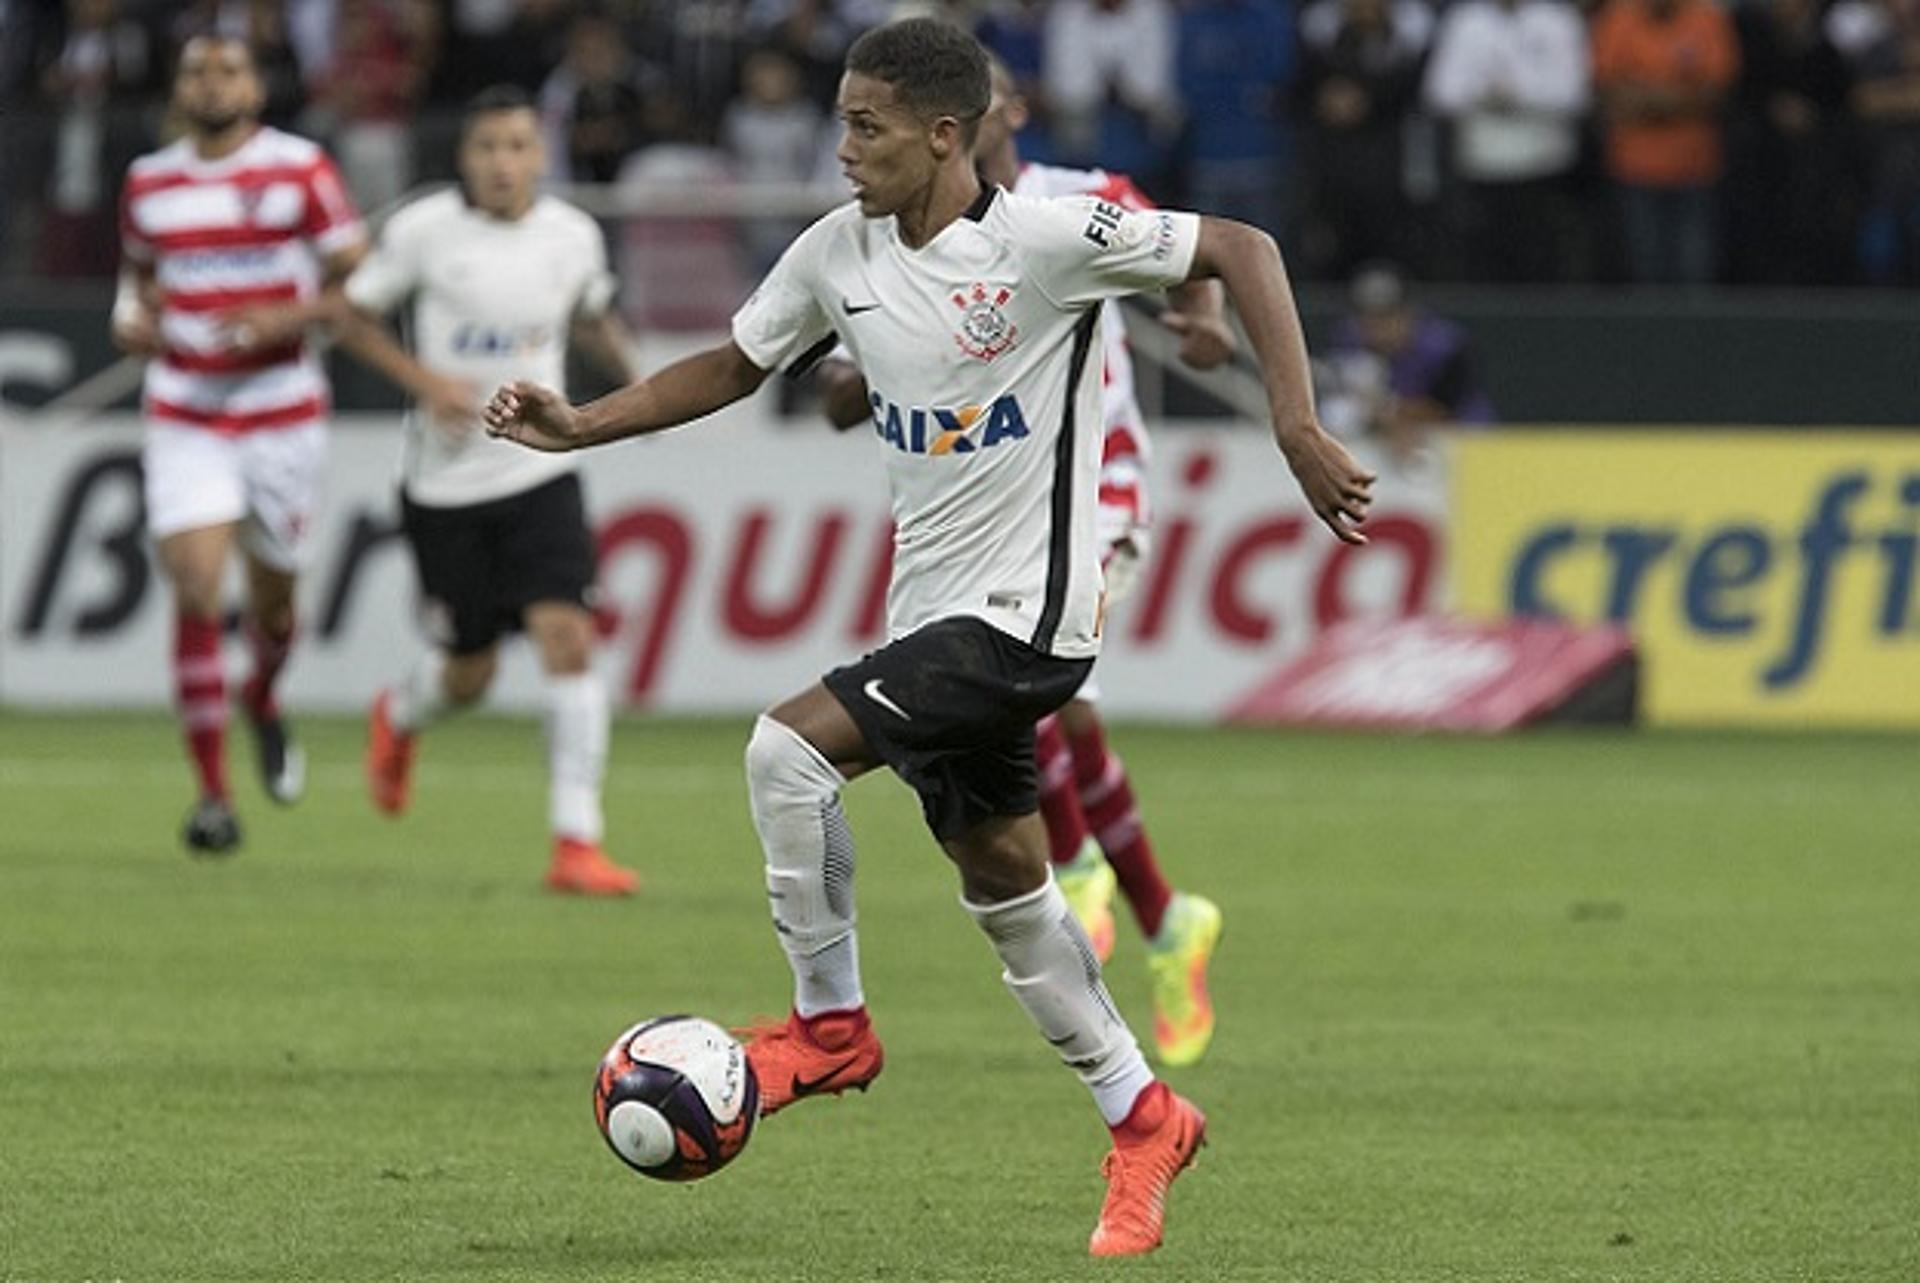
x: 1325, y: 787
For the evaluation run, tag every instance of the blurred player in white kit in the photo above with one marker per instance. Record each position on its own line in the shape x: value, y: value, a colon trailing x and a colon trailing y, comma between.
x: 499, y: 279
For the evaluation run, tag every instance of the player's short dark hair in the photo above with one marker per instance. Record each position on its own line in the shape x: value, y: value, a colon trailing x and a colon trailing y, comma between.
x: 491, y: 101
x: 936, y: 68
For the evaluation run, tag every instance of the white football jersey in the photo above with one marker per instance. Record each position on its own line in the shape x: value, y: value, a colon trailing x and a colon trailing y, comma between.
x: 1122, y: 408
x: 493, y: 300
x: 978, y: 351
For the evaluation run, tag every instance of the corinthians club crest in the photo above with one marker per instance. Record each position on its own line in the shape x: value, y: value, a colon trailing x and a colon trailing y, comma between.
x: 985, y: 331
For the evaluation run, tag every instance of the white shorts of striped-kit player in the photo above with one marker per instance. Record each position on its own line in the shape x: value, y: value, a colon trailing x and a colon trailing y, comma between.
x: 272, y: 481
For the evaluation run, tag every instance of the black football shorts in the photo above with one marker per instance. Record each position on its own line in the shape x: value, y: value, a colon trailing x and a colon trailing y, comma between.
x: 951, y: 708
x: 481, y: 565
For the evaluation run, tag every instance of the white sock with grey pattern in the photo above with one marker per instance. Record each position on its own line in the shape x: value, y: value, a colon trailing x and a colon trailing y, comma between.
x: 795, y: 794
x: 1051, y: 971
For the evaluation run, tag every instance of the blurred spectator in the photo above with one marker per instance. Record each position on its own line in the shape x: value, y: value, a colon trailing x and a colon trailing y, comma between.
x: 502, y: 42
x: 1235, y: 67
x: 1512, y: 79
x: 1882, y: 41
x: 102, y: 63
x: 1663, y: 69
x: 1015, y: 32
x: 1400, y: 370
x: 597, y: 105
x: 1788, y: 207
x: 772, y: 132
x: 815, y: 34
x: 1359, y: 80
x: 18, y: 39
x: 383, y: 51
x: 20, y: 24
x: 1108, y: 76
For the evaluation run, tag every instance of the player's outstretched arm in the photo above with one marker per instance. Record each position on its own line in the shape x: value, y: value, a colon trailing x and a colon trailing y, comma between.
x: 540, y: 418
x: 453, y: 403
x: 1196, y: 311
x: 1248, y: 263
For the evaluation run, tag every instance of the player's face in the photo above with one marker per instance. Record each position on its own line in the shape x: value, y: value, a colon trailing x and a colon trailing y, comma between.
x: 216, y: 87
x: 888, y: 153
x: 501, y: 161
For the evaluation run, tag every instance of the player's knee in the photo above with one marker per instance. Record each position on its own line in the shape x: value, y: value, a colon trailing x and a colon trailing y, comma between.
x: 467, y: 677
x: 999, y: 862
x: 565, y: 640
x: 273, y: 619
x: 783, y: 767
x: 1079, y: 716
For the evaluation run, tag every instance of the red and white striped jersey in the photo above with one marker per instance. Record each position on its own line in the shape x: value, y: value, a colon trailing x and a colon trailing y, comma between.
x: 250, y: 227
x: 1123, y: 482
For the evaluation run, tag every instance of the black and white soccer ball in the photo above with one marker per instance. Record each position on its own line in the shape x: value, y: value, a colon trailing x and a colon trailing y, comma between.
x: 676, y: 1098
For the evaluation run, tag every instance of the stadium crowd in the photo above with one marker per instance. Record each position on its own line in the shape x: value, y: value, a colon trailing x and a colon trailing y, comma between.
x: 1670, y: 141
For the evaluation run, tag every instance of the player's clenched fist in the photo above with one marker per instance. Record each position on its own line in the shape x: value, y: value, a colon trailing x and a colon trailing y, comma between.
x: 534, y: 416
x: 1338, y: 489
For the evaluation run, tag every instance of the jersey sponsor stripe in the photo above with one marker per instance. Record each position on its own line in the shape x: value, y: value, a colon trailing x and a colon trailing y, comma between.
x: 1060, y: 542
x: 310, y: 410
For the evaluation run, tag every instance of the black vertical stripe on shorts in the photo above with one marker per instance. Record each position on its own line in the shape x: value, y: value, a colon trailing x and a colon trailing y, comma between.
x: 1060, y: 548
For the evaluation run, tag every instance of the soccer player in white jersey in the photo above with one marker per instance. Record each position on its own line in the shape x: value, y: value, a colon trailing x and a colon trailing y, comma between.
x: 1095, y: 835
x: 499, y: 277
x: 218, y: 230
x: 972, y: 313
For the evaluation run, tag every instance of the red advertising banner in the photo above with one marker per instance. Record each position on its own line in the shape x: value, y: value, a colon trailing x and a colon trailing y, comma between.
x: 1441, y: 674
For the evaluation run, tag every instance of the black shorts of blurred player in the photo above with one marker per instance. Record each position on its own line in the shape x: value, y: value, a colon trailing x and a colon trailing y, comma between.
x: 485, y: 568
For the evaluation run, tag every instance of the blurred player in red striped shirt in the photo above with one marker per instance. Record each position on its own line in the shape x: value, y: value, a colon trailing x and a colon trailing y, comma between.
x: 219, y: 231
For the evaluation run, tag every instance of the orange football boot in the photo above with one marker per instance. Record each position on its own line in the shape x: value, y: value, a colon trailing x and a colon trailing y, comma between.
x: 582, y: 868
x: 820, y: 1056
x: 389, y: 760
x: 1159, y: 1139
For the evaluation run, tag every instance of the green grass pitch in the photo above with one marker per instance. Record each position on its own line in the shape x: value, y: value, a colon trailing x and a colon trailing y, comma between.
x: 1594, y: 1007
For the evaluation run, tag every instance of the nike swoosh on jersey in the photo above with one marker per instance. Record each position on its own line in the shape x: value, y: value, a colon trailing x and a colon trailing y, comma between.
x: 852, y: 308
x: 873, y: 692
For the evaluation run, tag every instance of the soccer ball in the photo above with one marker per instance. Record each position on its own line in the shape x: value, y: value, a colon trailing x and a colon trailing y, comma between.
x: 676, y: 1098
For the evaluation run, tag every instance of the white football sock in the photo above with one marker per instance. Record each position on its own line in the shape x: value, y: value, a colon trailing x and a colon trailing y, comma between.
x: 1051, y: 970
x: 576, y: 753
x: 795, y: 794
x: 419, y: 699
